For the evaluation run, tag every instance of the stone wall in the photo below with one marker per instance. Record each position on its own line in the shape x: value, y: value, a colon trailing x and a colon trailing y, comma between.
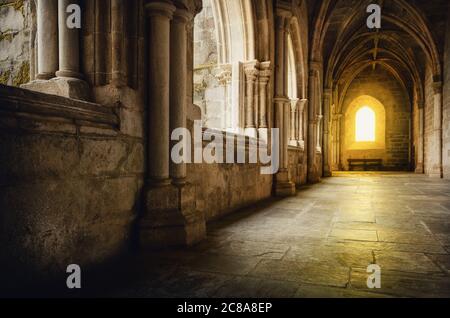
x: 224, y: 188
x: 381, y: 85
x: 297, y: 165
x: 15, y: 33
x: 70, y: 184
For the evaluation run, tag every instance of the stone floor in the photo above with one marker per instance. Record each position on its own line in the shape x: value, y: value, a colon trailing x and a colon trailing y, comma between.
x: 317, y: 244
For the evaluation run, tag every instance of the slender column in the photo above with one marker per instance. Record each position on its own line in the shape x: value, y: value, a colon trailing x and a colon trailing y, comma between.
x: 300, y: 127
x: 283, y: 185
x: 293, y: 125
x: 69, y: 46
x: 264, y: 77
x: 178, y: 80
x: 319, y: 122
x: 280, y: 97
x: 159, y: 15
x: 312, y: 123
x: 263, y: 81
x: 47, y: 32
x: 117, y: 76
x: 420, y: 145
x: 250, y: 75
x: 437, y: 170
x: 326, y: 132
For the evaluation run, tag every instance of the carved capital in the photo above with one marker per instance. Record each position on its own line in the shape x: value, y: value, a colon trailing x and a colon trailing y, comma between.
x: 155, y: 9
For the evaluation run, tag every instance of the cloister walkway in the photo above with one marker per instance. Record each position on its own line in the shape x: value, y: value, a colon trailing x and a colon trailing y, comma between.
x: 317, y: 244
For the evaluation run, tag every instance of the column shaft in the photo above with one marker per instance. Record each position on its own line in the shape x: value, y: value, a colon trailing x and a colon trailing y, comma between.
x: 178, y: 82
x: 117, y: 76
x: 159, y: 15
x: 47, y: 33
x: 69, y: 47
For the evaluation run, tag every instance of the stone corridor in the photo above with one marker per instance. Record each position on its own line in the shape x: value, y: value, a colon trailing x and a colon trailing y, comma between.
x: 317, y: 244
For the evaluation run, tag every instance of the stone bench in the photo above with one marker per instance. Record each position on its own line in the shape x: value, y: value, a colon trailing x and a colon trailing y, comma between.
x: 365, y: 164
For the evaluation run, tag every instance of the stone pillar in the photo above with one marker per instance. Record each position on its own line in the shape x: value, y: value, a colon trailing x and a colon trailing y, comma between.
x: 178, y: 75
x: 437, y: 169
x: 47, y: 33
x: 313, y: 173
x: 420, y: 144
x: 159, y: 15
x: 170, y: 217
x: 319, y: 122
x: 251, y: 75
x: 293, y: 124
x: 326, y: 133
x: 62, y: 42
x: 264, y: 77
x: 336, y: 141
x: 283, y: 185
x: 69, y: 46
x: 300, y: 121
x: 117, y: 27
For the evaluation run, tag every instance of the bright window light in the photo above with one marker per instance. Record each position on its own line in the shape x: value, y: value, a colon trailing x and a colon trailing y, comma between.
x: 365, y: 124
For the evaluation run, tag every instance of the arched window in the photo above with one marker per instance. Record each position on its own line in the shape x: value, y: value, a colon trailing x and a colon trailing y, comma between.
x: 223, y: 43
x: 365, y: 125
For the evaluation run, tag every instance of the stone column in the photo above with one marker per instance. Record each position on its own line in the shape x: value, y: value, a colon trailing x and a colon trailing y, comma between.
x: 437, y: 169
x: 420, y: 145
x: 264, y: 77
x: 336, y: 140
x: 283, y: 185
x: 47, y: 33
x: 319, y: 122
x: 58, y: 53
x: 159, y: 15
x: 326, y: 133
x: 251, y: 74
x: 178, y: 75
x: 293, y: 124
x: 69, y: 46
x: 117, y: 27
x: 312, y: 123
x: 170, y: 217
x: 300, y: 128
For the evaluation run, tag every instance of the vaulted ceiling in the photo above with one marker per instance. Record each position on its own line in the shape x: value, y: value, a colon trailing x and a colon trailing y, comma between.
x: 411, y: 38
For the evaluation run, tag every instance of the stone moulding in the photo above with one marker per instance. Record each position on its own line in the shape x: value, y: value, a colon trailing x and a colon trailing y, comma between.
x: 18, y: 100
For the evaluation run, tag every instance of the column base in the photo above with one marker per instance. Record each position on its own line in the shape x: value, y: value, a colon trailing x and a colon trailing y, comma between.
x: 327, y: 174
x: 301, y: 144
x: 62, y: 86
x: 293, y: 143
x: 170, y: 218
x: 284, y: 187
x: 419, y: 168
x: 313, y: 175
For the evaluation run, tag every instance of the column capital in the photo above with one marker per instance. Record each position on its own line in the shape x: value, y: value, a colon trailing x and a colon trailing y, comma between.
x: 225, y: 74
x: 265, y: 71
x: 182, y: 15
x: 160, y: 8
x: 294, y: 104
x: 251, y: 70
x: 327, y: 92
x: 302, y: 103
x: 437, y: 87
